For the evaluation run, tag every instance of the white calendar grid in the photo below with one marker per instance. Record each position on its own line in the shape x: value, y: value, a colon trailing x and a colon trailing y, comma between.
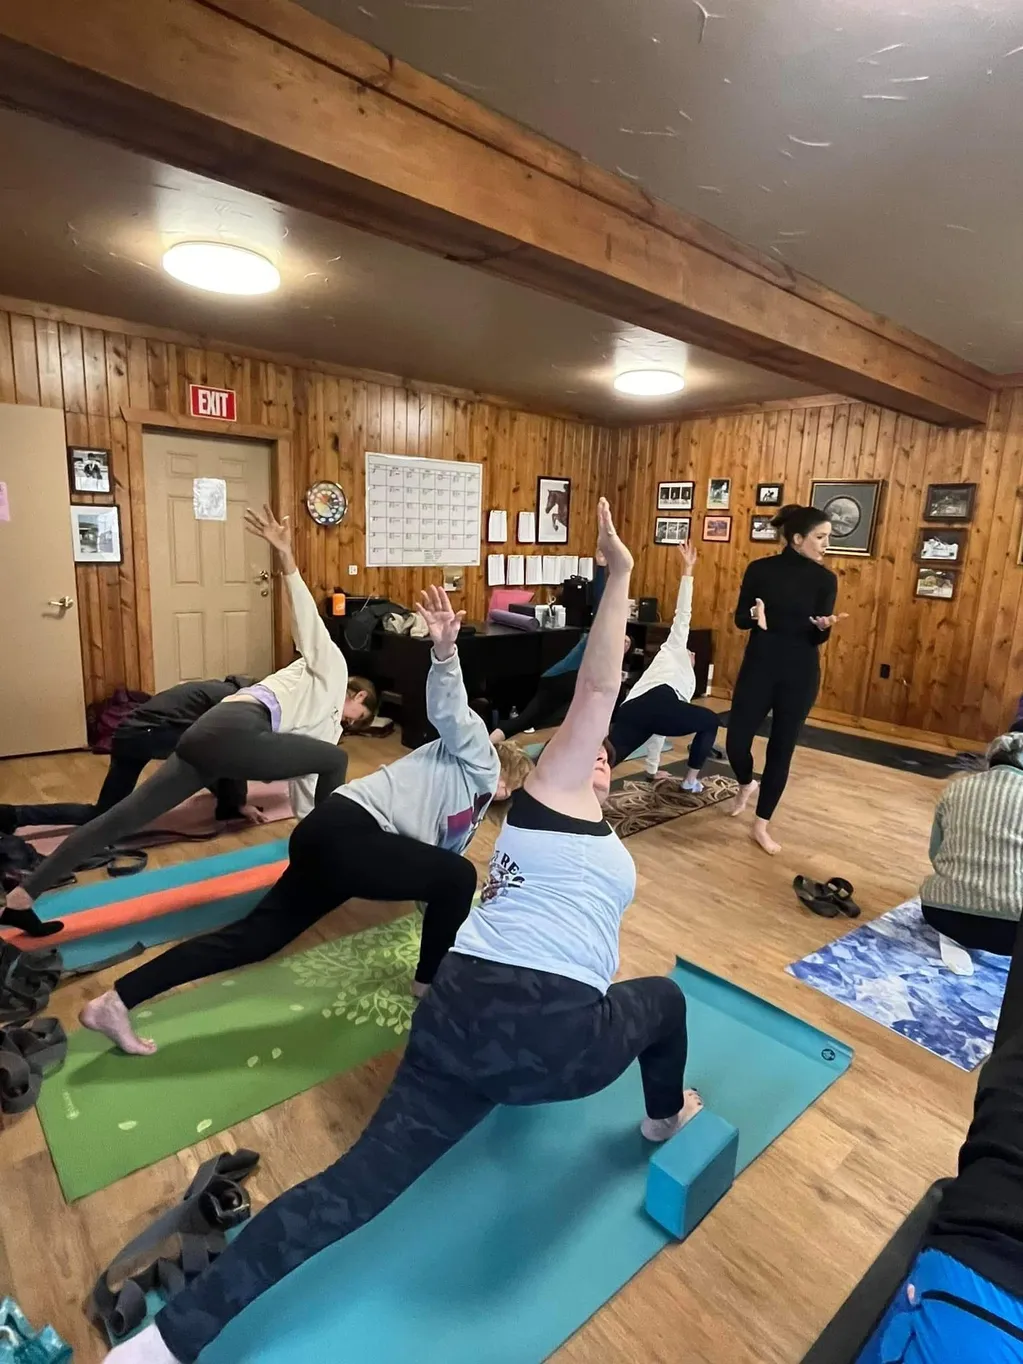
x: 422, y: 511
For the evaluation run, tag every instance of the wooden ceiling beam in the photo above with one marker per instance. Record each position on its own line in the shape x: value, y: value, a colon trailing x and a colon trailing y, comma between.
x: 262, y: 95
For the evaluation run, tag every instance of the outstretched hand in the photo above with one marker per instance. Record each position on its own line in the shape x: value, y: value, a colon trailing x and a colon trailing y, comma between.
x: 688, y: 552
x: 442, y: 621
x: 616, y: 554
x: 276, y: 533
x: 759, y: 614
x: 826, y: 622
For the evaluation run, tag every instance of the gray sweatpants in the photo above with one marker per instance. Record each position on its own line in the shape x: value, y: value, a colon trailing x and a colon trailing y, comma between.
x: 233, y: 740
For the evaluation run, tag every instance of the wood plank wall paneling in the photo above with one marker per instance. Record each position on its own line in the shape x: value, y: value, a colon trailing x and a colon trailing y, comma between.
x: 93, y: 373
x: 956, y: 667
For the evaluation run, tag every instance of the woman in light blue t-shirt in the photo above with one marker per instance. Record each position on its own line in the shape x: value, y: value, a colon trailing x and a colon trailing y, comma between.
x: 522, y: 1011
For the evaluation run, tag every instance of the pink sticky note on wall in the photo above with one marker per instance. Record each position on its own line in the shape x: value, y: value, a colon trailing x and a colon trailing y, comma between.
x: 5, y: 506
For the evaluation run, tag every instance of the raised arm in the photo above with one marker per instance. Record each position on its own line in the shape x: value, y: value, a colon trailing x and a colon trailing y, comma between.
x: 461, y: 730
x: 563, y: 777
x: 678, y: 635
x: 308, y: 629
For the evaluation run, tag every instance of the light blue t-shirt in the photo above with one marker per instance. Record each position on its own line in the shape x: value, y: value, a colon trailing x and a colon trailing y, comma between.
x: 554, y: 898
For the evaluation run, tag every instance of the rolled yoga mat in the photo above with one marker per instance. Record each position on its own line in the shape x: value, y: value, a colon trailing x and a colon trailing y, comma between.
x: 528, y: 1226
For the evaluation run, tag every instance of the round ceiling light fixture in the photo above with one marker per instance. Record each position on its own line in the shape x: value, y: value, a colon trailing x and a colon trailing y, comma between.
x: 650, y: 383
x: 221, y: 268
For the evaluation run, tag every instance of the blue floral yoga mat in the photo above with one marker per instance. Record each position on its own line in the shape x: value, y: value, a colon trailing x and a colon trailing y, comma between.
x: 891, y: 971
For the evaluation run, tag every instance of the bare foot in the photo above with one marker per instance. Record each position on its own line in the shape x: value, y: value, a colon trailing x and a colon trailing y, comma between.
x: 761, y: 836
x: 660, y: 1129
x: 497, y: 736
x: 108, y: 1015
x: 746, y: 794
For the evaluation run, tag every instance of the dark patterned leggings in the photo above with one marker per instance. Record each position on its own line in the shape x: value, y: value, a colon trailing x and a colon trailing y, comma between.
x: 486, y: 1035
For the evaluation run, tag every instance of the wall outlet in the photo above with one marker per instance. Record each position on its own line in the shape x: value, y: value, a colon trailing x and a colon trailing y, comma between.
x: 353, y: 570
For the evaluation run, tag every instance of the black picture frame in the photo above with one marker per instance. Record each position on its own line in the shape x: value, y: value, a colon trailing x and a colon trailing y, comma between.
x: 932, y: 581
x: 931, y: 535
x: 853, y: 505
x: 676, y: 505
x: 666, y: 532
x: 758, y: 532
x: 552, y: 523
x: 88, y: 470
x: 87, y: 543
x: 770, y: 495
x: 950, y: 502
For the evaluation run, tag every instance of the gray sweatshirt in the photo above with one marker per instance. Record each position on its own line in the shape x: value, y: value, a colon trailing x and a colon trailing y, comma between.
x: 439, y: 793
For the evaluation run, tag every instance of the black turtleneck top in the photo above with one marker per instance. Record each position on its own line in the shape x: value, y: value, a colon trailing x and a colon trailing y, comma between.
x: 792, y: 588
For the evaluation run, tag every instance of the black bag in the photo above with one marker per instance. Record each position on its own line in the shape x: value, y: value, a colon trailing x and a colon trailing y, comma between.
x: 364, y: 624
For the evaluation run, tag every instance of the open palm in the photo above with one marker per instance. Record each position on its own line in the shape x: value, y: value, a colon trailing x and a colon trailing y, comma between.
x: 442, y: 620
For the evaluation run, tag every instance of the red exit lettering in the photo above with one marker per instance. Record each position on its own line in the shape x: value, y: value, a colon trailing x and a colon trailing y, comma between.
x: 217, y: 403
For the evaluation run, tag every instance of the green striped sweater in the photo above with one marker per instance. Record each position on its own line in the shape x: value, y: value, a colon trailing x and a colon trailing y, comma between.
x: 977, y: 845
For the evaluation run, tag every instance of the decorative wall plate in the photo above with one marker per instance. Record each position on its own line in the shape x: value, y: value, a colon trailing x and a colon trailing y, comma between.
x: 326, y: 503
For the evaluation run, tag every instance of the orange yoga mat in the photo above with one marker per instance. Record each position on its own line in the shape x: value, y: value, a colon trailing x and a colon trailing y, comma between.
x: 86, y: 923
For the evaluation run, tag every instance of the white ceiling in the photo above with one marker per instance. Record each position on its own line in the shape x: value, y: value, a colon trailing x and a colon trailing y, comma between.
x: 84, y: 225
x: 872, y: 144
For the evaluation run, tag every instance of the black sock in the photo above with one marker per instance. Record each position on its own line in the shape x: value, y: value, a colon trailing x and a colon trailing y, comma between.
x: 28, y: 921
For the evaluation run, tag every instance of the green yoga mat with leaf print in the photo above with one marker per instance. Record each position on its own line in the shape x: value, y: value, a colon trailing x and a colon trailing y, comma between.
x: 232, y: 1047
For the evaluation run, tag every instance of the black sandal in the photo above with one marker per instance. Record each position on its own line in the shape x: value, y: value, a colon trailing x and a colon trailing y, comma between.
x: 841, y: 893
x: 815, y: 897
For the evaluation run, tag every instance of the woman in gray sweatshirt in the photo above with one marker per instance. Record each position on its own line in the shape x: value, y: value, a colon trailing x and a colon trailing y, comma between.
x: 397, y: 834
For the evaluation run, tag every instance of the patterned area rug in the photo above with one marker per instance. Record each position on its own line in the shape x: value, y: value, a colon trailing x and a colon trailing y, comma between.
x: 636, y: 804
x: 232, y: 1047
x: 891, y: 971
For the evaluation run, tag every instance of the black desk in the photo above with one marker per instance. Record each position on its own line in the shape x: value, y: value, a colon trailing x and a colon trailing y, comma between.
x: 501, y: 668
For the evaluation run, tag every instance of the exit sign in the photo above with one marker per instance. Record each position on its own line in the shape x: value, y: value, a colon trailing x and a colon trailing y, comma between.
x: 212, y: 402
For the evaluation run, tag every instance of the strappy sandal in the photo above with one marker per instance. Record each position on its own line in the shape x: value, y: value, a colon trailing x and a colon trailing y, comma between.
x: 841, y: 892
x: 815, y: 897
x: 20, y: 997
x: 43, y: 1044
x: 19, y: 1083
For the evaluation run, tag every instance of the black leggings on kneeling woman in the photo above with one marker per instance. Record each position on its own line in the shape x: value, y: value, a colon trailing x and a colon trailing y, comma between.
x: 337, y: 853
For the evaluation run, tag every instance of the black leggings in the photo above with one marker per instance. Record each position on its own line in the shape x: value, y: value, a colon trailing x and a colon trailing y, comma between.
x: 548, y: 706
x: 233, y: 740
x: 129, y: 755
x: 486, y: 1035
x: 336, y: 853
x: 659, y: 711
x: 787, y: 696
x: 979, y: 931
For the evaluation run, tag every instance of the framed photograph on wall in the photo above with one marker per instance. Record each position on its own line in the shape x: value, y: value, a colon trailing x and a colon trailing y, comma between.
x: 717, y: 529
x: 672, y: 530
x: 89, y: 471
x: 761, y: 530
x: 719, y: 492
x: 937, y: 546
x: 552, y: 501
x: 937, y: 583
x: 950, y: 501
x: 852, y: 507
x: 675, y: 497
x: 770, y: 494
x: 96, y: 534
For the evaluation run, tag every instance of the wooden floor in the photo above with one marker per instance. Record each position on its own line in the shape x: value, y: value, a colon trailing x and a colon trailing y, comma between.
x: 756, y: 1282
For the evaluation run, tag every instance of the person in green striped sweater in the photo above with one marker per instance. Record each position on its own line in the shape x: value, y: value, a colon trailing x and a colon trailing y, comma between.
x: 975, y: 894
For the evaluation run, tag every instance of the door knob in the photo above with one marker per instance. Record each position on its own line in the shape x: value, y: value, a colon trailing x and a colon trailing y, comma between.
x: 65, y: 603
x: 264, y: 577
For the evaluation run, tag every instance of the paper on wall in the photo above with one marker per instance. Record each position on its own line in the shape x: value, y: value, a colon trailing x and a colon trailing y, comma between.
x: 550, y: 570
x: 534, y: 570
x: 516, y: 570
x: 586, y: 569
x: 571, y: 565
x: 527, y: 528
x: 5, y: 504
x: 209, y: 499
x: 497, y: 527
x: 495, y: 570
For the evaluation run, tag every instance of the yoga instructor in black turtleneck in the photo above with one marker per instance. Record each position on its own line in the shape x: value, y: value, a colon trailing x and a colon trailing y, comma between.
x: 787, y: 603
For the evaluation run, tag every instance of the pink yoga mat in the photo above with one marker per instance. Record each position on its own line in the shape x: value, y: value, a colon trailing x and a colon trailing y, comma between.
x: 193, y: 818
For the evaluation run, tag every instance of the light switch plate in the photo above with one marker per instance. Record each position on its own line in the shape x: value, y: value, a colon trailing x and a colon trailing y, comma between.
x: 353, y: 570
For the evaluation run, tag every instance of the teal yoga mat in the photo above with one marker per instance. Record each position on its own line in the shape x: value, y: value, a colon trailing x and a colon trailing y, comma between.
x: 63, y: 904
x: 535, y: 1220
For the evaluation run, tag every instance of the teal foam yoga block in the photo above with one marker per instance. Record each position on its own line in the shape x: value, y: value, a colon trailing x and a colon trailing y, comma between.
x: 691, y: 1172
